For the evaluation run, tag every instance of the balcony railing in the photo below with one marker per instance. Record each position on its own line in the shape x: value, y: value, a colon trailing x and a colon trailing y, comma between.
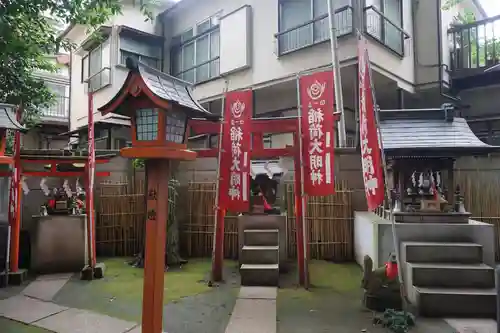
x: 384, y: 30
x: 60, y: 109
x: 475, y: 45
x: 314, y: 31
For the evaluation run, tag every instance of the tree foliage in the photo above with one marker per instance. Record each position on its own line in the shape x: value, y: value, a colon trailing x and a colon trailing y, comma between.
x: 28, y: 35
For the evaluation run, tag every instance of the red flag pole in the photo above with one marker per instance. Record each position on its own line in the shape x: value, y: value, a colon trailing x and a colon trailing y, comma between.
x: 218, y: 245
x: 89, y: 193
x: 366, y: 63
x: 305, y: 232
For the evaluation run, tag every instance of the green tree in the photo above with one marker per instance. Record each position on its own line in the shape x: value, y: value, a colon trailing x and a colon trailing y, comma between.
x: 27, y: 35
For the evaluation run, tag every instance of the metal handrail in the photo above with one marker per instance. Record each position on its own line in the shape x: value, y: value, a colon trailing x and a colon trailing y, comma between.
x: 199, y: 65
x: 317, y: 19
x: 388, y: 20
x: 460, y: 27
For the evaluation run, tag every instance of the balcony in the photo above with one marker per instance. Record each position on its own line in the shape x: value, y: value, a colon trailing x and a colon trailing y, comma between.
x: 58, y: 112
x: 314, y: 31
x: 384, y: 30
x: 475, y: 47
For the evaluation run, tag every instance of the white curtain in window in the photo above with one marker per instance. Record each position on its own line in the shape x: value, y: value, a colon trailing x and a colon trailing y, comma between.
x: 105, y: 61
x: 214, y: 53
x: 373, y: 19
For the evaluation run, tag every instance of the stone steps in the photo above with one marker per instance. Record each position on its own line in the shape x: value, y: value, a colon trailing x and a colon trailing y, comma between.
x: 259, y: 275
x: 435, y: 252
x: 446, y: 279
x: 462, y: 302
x: 260, y: 251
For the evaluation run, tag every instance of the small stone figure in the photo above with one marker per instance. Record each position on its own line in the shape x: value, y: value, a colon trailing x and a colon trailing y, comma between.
x: 381, y: 285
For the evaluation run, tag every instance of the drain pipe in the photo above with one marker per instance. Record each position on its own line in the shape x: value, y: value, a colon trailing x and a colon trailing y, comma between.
x: 440, y: 50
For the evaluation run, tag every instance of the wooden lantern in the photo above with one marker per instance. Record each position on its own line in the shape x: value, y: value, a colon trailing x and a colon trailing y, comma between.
x: 159, y: 107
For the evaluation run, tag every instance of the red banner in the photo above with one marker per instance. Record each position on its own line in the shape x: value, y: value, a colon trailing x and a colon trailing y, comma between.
x: 234, y: 178
x: 373, y: 175
x: 318, y: 132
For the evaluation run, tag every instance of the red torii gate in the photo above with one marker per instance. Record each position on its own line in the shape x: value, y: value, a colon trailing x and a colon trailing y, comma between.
x: 258, y: 127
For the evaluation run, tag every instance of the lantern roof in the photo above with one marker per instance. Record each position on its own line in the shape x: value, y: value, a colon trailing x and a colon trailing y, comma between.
x: 429, y: 133
x: 162, y: 89
x: 8, y: 119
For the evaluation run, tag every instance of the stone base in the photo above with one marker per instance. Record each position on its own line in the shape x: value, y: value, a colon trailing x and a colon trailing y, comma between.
x: 431, y: 217
x: 87, y: 273
x: 17, y: 278
x: 382, y: 301
x: 97, y: 272
x: 4, y: 280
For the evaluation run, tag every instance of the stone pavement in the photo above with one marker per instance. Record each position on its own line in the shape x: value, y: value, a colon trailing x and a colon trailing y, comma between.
x: 473, y: 325
x: 255, y: 311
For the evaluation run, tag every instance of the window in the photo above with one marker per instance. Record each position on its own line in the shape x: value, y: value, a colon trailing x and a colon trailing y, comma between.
x: 96, y: 66
x: 146, y: 124
x: 146, y: 53
x: 195, y: 54
x: 305, y: 22
x: 175, y: 126
x: 384, y: 21
x: 60, y: 105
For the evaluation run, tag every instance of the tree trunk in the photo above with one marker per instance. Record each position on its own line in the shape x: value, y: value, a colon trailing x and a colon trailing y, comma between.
x: 172, y: 256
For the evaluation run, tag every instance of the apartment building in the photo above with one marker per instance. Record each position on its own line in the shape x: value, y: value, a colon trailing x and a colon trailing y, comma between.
x: 99, y: 65
x: 263, y: 45
x: 54, y: 119
x: 221, y: 45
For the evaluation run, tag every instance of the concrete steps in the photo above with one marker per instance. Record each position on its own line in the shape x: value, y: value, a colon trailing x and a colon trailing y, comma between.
x: 259, y: 275
x: 260, y: 251
x: 462, y: 302
x: 448, y: 279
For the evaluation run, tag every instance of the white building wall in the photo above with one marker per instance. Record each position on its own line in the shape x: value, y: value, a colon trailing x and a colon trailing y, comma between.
x: 131, y: 17
x: 266, y: 66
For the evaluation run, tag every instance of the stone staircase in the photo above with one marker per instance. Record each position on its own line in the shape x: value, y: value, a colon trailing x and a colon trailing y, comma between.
x: 448, y: 279
x: 260, y: 250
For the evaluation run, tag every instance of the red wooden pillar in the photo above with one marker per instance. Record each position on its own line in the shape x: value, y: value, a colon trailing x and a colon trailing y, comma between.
x: 157, y: 173
x: 15, y: 216
x: 218, y: 250
x: 299, y: 234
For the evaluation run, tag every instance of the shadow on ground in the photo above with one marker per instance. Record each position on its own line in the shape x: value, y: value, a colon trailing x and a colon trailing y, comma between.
x: 333, y: 304
x: 190, y: 305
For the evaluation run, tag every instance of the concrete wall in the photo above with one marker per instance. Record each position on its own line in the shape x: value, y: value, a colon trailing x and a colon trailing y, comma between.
x: 373, y: 236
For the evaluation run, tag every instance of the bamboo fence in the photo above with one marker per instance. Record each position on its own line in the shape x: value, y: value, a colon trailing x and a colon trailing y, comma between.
x: 481, y: 190
x: 120, y: 219
x: 329, y: 221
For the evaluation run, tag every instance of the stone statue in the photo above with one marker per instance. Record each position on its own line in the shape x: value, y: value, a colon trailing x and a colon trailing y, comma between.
x: 381, y: 292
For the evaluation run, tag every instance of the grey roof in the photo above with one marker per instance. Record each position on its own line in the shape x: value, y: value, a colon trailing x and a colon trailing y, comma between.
x: 171, y: 89
x: 8, y: 119
x: 430, y: 134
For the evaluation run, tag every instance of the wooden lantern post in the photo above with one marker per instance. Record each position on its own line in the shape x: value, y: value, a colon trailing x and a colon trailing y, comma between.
x: 159, y: 107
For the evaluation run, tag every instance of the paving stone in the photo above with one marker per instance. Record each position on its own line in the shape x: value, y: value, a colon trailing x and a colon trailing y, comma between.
x: 253, y: 316
x: 45, y: 288
x: 81, y: 321
x: 473, y: 325
x: 27, y: 310
x: 258, y: 292
x: 60, y: 276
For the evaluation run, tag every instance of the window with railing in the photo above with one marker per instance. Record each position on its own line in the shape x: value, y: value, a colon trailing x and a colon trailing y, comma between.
x: 384, y: 23
x: 60, y: 104
x: 96, y: 67
x: 195, y: 53
x: 303, y: 23
x: 475, y: 45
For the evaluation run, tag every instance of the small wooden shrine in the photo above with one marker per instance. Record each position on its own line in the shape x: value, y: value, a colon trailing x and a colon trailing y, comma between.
x: 421, y: 147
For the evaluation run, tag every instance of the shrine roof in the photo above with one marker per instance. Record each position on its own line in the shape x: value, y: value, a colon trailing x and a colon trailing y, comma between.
x: 429, y: 132
x: 8, y: 119
x: 162, y: 86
